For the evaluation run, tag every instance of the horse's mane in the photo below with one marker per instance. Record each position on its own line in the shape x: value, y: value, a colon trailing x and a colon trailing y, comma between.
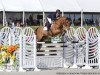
x: 60, y: 19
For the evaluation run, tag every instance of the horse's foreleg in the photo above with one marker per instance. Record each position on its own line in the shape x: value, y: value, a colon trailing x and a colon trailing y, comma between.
x: 56, y: 32
x: 39, y: 37
x: 62, y: 32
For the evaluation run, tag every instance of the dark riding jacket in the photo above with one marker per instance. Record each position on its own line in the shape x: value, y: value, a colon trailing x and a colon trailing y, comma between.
x: 53, y: 16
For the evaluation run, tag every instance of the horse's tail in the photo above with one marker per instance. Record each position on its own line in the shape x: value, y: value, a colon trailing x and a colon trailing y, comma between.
x: 36, y: 31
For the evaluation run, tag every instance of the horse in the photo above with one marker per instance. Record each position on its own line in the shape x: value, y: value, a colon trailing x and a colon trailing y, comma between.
x: 55, y: 29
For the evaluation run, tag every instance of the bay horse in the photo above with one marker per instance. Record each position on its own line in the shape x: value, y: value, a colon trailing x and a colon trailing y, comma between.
x: 55, y: 29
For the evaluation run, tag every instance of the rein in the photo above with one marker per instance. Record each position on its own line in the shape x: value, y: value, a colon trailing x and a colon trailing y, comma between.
x: 51, y: 32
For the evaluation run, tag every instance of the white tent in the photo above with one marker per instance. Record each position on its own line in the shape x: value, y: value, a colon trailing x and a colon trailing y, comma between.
x: 40, y: 5
x: 63, y: 5
x: 12, y: 5
x: 31, y: 5
x: 50, y: 5
x: 89, y: 5
x: 1, y: 6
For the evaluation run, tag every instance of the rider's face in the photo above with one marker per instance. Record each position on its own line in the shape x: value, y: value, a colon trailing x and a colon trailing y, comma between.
x: 57, y: 14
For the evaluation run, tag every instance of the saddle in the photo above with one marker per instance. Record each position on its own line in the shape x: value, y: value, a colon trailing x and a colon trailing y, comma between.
x: 47, y: 24
x: 45, y: 28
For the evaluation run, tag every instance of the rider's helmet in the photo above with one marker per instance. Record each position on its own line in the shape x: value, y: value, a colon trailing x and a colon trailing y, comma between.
x: 58, y: 11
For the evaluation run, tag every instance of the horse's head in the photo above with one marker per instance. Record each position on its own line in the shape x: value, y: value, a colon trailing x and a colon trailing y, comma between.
x: 63, y: 21
x: 66, y: 22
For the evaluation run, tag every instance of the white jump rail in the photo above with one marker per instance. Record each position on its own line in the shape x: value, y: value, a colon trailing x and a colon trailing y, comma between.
x: 93, y: 52
x: 5, y: 39
x: 69, y: 51
x: 50, y: 56
x: 81, y: 51
x: 29, y: 49
x: 17, y: 39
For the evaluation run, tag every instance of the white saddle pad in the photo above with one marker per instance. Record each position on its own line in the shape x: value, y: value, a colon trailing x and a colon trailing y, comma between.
x: 45, y: 28
x: 49, y: 19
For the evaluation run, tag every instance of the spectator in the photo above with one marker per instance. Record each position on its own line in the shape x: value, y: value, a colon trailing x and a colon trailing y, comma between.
x: 13, y: 25
x: 31, y: 20
x: 10, y: 22
x: 18, y: 24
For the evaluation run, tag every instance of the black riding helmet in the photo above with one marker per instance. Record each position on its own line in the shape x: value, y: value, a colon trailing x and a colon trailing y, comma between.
x: 58, y: 11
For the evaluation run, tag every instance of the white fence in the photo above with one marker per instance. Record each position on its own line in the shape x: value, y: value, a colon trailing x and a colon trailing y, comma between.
x: 85, y: 51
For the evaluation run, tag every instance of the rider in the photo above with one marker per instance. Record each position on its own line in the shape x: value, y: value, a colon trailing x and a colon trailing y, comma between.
x: 52, y: 17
